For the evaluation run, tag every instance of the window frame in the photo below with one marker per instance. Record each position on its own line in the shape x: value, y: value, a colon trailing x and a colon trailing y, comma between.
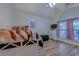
x: 58, y: 29
x: 75, y: 29
x: 69, y: 34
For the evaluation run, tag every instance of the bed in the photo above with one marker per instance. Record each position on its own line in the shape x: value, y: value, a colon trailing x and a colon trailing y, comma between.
x: 15, y: 37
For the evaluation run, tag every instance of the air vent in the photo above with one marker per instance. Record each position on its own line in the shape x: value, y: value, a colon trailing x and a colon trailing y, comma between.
x: 67, y: 4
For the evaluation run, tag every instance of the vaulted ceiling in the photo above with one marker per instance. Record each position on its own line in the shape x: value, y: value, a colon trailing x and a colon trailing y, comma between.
x: 41, y: 9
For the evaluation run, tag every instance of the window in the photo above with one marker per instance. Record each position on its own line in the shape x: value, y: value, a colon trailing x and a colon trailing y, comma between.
x: 69, y: 29
x: 63, y: 30
x: 76, y: 29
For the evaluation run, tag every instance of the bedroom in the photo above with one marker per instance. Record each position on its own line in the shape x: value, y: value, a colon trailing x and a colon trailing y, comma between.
x: 53, y: 23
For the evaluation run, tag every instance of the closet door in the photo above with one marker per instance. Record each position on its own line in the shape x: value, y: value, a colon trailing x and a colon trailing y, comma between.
x: 63, y: 30
x: 76, y: 29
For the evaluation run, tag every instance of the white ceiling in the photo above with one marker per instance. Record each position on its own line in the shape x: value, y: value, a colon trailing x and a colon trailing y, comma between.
x: 40, y: 9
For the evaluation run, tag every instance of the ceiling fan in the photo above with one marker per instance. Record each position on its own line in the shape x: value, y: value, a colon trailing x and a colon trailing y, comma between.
x: 51, y: 5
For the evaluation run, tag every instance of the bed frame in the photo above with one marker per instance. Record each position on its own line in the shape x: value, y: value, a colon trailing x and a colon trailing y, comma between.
x: 13, y: 45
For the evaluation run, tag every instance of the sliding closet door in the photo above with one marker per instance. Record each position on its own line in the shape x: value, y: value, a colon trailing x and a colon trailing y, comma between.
x: 76, y: 29
x: 63, y: 30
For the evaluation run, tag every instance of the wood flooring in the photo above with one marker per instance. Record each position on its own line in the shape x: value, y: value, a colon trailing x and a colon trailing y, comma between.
x: 57, y: 48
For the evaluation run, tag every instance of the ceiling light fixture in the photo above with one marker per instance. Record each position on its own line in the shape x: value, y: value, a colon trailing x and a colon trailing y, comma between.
x: 52, y: 4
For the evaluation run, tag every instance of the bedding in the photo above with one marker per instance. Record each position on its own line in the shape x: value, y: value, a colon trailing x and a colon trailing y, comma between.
x: 5, y: 36
x: 14, y: 35
x: 11, y: 36
x: 27, y: 31
x: 22, y: 34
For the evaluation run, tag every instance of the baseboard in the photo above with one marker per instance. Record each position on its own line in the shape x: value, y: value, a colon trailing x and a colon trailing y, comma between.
x: 73, y: 42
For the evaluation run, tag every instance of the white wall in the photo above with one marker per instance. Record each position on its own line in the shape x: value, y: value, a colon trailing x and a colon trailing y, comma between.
x: 66, y: 14
x: 23, y: 18
x: 6, y: 15
x: 70, y: 13
x: 10, y: 17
